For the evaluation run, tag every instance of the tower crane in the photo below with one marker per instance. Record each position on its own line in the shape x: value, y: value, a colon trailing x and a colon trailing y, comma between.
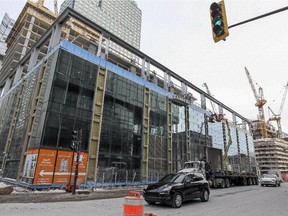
x: 260, y: 102
x: 277, y: 117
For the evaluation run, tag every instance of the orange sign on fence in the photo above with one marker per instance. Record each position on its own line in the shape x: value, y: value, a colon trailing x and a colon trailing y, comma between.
x: 81, y: 168
x: 63, y: 168
x: 54, y: 167
x: 45, y: 167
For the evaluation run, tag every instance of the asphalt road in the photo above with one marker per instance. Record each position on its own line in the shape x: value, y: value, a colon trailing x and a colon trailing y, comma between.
x: 236, y: 201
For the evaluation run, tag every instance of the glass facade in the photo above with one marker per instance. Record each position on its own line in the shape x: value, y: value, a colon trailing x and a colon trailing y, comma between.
x: 157, y: 135
x: 70, y: 103
x: 121, y: 130
x: 65, y: 103
x: 179, y: 137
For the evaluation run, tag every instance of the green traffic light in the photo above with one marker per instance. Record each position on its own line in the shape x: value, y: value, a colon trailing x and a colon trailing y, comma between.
x: 218, y: 21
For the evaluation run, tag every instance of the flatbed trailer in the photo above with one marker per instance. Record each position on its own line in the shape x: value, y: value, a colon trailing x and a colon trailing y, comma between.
x: 225, y: 179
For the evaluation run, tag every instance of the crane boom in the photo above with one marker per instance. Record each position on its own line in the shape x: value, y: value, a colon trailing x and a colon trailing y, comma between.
x: 55, y: 7
x: 277, y: 117
x: 251, y: 84
x: 208, y: 91
x: 283, y: 99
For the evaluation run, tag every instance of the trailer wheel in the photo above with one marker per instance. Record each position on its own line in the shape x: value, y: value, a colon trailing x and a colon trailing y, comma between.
x: 227, y: 183
x: 250, y: 181
x: 222, y: 183
x: 215, y: 185
x: 244, y: 181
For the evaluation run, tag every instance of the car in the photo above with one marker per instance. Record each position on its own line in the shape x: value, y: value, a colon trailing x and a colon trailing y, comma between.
x: 270, y: 179
x: 176, y: 188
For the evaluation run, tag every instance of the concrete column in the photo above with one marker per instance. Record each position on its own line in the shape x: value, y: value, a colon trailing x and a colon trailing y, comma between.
x: 107, y: 47
x: 165, y: 80
x: 183, y: 88
x: 33, y: 58
x: 203, y: 102
x: 100, y: 45
x: 148, y: 70
x: 18, y: 74
x: 143, y: 75
x: 244, y: 124
x: 27, y: 38
x: 55, y: 37
x: 234, y: 118
x: 7, y: 86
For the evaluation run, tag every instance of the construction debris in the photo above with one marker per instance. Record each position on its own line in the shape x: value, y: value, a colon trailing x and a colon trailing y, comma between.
x: 6, y: 190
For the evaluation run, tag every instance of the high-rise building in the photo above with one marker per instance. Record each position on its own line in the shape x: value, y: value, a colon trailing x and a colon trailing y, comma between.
x: 5, y: 28
x: 121, y: 18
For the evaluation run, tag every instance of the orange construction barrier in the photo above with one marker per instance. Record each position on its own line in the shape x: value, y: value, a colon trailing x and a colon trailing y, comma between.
x: 133, y: 204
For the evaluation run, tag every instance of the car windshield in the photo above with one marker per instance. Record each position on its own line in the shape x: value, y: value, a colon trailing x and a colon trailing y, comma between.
x: 269, y: 176
x: 177, y: 178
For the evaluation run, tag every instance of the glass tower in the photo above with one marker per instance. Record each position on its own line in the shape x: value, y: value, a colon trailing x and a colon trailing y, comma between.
x: 122, y: 17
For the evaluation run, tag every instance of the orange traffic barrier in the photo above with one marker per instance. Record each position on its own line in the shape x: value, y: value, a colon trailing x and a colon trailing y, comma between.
x: 69, y: 188
x: 133, y: 204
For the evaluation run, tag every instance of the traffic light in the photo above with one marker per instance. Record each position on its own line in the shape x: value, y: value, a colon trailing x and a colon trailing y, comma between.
x: 219, y: 21
x: 74, y: 142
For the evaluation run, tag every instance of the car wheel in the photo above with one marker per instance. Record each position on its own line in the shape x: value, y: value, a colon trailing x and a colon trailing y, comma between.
x: 177, y: 200
x: 205, y: 196
x: 279, y: 184
x: 262, y: 185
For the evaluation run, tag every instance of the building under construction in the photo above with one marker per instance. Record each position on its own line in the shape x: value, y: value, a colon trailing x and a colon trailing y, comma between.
x: 135, y: 120
x: 271, y: 147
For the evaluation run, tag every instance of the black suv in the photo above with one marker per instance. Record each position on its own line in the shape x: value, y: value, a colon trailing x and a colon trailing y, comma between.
x: 174, y: 189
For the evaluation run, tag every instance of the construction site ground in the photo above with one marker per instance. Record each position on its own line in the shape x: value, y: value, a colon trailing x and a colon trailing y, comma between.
x: 62, y: 196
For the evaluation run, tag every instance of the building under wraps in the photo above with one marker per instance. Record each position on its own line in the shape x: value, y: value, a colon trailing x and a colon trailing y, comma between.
x: 138, y: 119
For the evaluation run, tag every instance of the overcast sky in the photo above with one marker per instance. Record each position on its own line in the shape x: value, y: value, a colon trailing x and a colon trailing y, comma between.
x: 177, y: 33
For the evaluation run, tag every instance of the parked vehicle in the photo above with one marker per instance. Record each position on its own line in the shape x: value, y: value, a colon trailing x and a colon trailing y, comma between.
x: 174, y: 189
x: 270, y: 179
x: 219, y: 177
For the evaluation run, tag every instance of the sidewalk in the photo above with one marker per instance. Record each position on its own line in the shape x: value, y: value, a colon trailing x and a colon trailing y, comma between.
x: 37, y: 197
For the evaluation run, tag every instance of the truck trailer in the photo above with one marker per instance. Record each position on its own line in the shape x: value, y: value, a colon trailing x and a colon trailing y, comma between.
x: 219, y: 177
